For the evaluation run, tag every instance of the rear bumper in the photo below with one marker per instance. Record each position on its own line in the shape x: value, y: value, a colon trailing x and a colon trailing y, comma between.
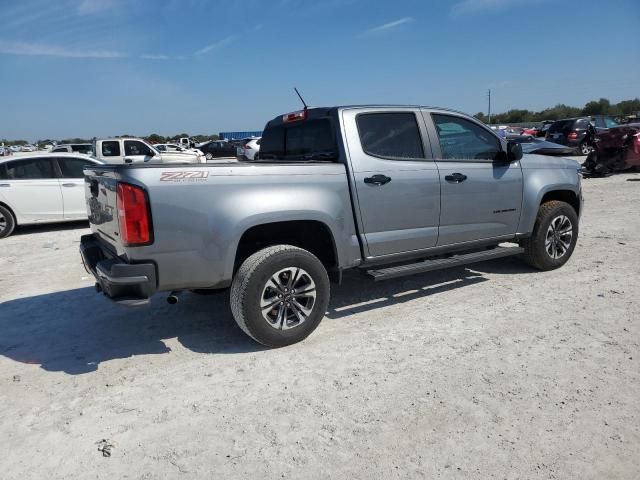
x: 122, y: 282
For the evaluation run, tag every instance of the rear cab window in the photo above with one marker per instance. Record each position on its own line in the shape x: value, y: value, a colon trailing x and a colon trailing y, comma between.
x: 310, y: 139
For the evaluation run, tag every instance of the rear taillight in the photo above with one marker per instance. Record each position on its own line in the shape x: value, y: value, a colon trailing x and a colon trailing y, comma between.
x: 636, y: 143
x: 572, y: 135
x: 133, y: 215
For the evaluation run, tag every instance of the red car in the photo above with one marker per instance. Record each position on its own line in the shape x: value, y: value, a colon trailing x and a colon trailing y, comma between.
x: 616, y: 138
x: 616, y: 149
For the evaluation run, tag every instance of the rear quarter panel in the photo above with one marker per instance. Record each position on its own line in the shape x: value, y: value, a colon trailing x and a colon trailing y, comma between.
x: 198, y: 222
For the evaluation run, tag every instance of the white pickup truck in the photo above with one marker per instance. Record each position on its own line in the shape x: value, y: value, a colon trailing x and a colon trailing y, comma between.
x: 136, y: 150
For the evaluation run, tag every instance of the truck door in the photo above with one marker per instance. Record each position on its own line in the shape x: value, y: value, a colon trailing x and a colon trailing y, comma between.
x: 481, y: 198
x: 395, y: 180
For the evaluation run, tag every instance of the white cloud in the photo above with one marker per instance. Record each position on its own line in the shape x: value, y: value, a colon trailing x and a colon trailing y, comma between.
x: 39, y: 49
x: 152, y: 56
x: 390, y: 25
x: 474, y: 6
x: 88, y: 7
x: 214, y: 46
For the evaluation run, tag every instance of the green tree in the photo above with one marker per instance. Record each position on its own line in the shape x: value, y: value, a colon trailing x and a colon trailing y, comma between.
x: 481, y: 116
x: 155, y: 138
x: 600, y: 107
x: 627, y: 107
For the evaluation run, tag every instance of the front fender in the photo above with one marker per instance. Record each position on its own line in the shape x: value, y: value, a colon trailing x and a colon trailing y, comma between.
x: 538, y: 183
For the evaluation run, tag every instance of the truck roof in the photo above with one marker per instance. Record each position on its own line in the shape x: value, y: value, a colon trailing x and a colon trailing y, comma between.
x: 315, y: 112
x: 119, y: 138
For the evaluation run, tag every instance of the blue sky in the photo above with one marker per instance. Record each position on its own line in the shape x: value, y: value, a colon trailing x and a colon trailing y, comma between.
x: 103, y: 67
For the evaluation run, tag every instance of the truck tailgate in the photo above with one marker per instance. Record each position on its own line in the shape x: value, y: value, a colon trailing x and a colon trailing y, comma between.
x: 100, y: 194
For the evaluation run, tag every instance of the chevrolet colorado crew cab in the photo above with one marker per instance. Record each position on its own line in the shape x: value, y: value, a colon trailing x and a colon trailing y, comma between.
x: 389, y: 190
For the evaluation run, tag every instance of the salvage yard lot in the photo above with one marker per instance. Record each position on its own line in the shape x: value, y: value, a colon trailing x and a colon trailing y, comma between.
x: 493, y: 370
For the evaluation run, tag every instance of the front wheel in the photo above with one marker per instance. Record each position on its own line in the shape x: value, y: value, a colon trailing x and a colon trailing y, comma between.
x: 279, y: 295
x: 554, y: 236
x: 209, y: 156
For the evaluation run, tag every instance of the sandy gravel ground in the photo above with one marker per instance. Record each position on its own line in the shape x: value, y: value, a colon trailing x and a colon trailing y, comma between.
x: 494, y: 371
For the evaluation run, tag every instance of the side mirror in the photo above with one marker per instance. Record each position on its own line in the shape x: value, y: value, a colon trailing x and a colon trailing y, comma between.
x: 514, y: 151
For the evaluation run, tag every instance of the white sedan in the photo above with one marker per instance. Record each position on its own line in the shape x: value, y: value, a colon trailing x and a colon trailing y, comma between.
x: 42, y: 188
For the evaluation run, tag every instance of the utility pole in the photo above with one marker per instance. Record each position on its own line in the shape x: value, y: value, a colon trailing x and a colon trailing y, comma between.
x: 489, y: 107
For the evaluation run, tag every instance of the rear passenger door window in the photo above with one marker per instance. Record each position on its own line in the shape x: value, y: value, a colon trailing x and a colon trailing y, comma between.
x: 111, y: 149
x: 394, y: 135
x: 462, y: 139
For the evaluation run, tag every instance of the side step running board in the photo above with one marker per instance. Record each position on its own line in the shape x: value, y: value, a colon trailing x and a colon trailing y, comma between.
x: 441, y: 263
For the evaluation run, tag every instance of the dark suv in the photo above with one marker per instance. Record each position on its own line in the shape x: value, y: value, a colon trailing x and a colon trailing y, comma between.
x: 571, y: 132
x: 218, y: 149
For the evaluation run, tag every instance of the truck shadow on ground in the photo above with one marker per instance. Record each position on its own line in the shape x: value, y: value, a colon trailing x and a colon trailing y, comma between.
x: 74, y: 331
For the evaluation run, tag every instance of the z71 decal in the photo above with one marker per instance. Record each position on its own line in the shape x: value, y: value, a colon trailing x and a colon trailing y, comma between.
x: 184, y: 176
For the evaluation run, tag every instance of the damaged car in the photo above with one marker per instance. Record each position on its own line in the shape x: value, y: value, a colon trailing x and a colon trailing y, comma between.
x: 615, y: 149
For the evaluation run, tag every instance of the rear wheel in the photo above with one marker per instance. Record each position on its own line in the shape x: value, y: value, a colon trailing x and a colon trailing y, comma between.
x: 209, y: 156
x: 7, y: 222
x: 554, y: 236
x: 279, y: 295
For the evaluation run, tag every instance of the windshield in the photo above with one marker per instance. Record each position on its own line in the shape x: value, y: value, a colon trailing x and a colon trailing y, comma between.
x: 306, y: 140
x: 610, y: 122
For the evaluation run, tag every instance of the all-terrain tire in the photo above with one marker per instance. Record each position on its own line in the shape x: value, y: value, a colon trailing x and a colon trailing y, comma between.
x: 7, y: 222
x: 536, y: 251
x: 250, y: 282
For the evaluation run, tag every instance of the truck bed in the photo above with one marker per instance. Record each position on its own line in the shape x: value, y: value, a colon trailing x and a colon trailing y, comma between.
x: 200, y: 212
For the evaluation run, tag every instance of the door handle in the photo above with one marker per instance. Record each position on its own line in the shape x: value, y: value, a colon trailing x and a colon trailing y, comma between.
x: 377, y: 180
x: 455, y: 178
x: 6, y: 185
x: 68, y: 184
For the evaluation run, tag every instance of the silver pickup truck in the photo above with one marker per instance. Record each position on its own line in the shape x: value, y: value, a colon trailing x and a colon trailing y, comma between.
x: 390, y: 190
